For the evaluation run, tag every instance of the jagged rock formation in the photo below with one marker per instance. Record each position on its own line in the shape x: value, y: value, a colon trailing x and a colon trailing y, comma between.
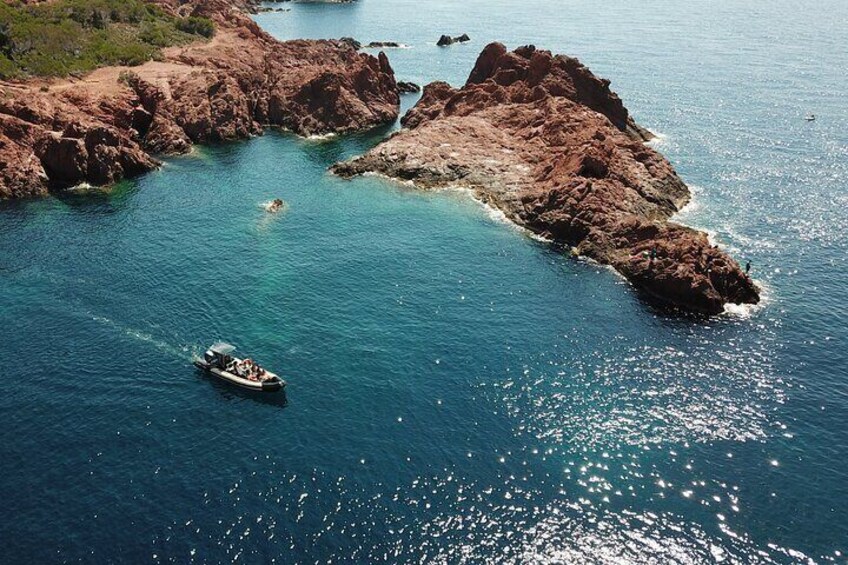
x: 408, y: 87
x: 446, y: 40
x: 544, y: 140
x: 106, y: 126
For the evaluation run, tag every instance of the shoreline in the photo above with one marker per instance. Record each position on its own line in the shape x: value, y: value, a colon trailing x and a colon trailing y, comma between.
x: 740, y: 311
x: 114, y: 122
x: 572, y: 167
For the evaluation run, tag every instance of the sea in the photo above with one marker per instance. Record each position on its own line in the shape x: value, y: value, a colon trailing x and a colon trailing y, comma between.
x: 458, y: 391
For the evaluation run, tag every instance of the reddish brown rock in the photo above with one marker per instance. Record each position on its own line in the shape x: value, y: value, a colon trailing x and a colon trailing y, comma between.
x: 103, y: 128
x: 56, y: 140
x: 21, y: 172
x: 544, y: 140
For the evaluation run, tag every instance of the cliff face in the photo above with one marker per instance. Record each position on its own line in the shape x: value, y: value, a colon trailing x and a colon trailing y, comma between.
x: 544, y: 140
x: 105, y: 126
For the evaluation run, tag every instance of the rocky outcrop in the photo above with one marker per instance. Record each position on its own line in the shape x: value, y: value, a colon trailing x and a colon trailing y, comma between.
x: 446, y: 40
x: 106, y: 126
x: 408, y: 87
x: 544, y: 140
x: 383, y: 45
x: 356, y: 44
x: 50, y: 141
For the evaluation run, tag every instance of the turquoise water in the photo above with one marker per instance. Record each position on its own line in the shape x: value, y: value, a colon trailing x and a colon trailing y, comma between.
x: 458, y: 391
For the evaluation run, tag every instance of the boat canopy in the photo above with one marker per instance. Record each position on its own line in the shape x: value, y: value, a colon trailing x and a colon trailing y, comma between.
x: 222, y: 348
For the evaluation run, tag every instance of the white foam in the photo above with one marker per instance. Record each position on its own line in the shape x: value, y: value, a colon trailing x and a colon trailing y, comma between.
x: 746, y: 311
x: 320, y: 136
x: 689, y: 208
x: 659, y: 139
x: 394, y: 180
x: 494, y: 213
x: 82, y: 187
x: 742, y: 311
x: 684, y: 217
x: 693, y: 205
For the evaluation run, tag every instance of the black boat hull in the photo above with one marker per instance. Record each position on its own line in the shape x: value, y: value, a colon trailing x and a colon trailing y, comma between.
x: 229, y: 378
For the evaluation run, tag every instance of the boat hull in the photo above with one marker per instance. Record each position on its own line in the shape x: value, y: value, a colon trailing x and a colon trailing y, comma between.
x: 266, y: 386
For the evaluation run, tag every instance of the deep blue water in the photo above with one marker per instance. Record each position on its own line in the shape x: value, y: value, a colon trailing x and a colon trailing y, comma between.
x: 458, y: 391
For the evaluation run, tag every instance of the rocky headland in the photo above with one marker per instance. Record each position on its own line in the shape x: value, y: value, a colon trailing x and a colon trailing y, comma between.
x: 542, y: 139
x: 111, y: 123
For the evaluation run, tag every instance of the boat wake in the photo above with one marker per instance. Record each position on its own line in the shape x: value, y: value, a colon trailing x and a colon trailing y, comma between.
x: 184, y: 352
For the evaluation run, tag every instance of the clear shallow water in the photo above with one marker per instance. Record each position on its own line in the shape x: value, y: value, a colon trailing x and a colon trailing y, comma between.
x: 458, y: 391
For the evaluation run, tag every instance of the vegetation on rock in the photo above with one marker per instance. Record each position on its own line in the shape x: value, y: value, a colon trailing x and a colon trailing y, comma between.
x: 68, y: 36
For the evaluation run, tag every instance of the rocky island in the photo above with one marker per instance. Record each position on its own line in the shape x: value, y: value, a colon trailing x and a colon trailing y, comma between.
x: 542, y: 139
x: 100, y: 127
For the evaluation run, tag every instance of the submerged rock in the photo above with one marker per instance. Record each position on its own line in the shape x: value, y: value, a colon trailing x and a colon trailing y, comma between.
x: 547, y: 142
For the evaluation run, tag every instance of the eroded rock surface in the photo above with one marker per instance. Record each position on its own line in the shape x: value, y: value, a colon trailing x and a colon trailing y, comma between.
x: 105, y: 126
x: 541, y: 138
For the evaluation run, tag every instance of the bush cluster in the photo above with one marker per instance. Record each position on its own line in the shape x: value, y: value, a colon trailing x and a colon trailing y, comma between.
x: 68, y: 36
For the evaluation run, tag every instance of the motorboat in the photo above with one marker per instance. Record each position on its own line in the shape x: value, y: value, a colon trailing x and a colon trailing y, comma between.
x: 220, y: 362
x: 810, y: 117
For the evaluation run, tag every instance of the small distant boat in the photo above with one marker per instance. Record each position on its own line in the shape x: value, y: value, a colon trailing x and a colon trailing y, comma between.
x: 810, y: 117
x: 220, y: 362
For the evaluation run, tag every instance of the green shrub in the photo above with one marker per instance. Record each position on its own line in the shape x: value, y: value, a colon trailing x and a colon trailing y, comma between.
x: 155, y: 33
x: 196, y: 26
x: 71, y: 36
x: 8, y: 69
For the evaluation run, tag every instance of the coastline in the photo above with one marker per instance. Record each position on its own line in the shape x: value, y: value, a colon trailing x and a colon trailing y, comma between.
x: 571, y: 166
x: 112, y: 123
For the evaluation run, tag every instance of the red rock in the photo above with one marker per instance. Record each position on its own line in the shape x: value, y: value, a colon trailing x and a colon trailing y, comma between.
x: 547, y: 142
x: 229, y: 88
x: 65, y: 159
x: 21, y: 172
